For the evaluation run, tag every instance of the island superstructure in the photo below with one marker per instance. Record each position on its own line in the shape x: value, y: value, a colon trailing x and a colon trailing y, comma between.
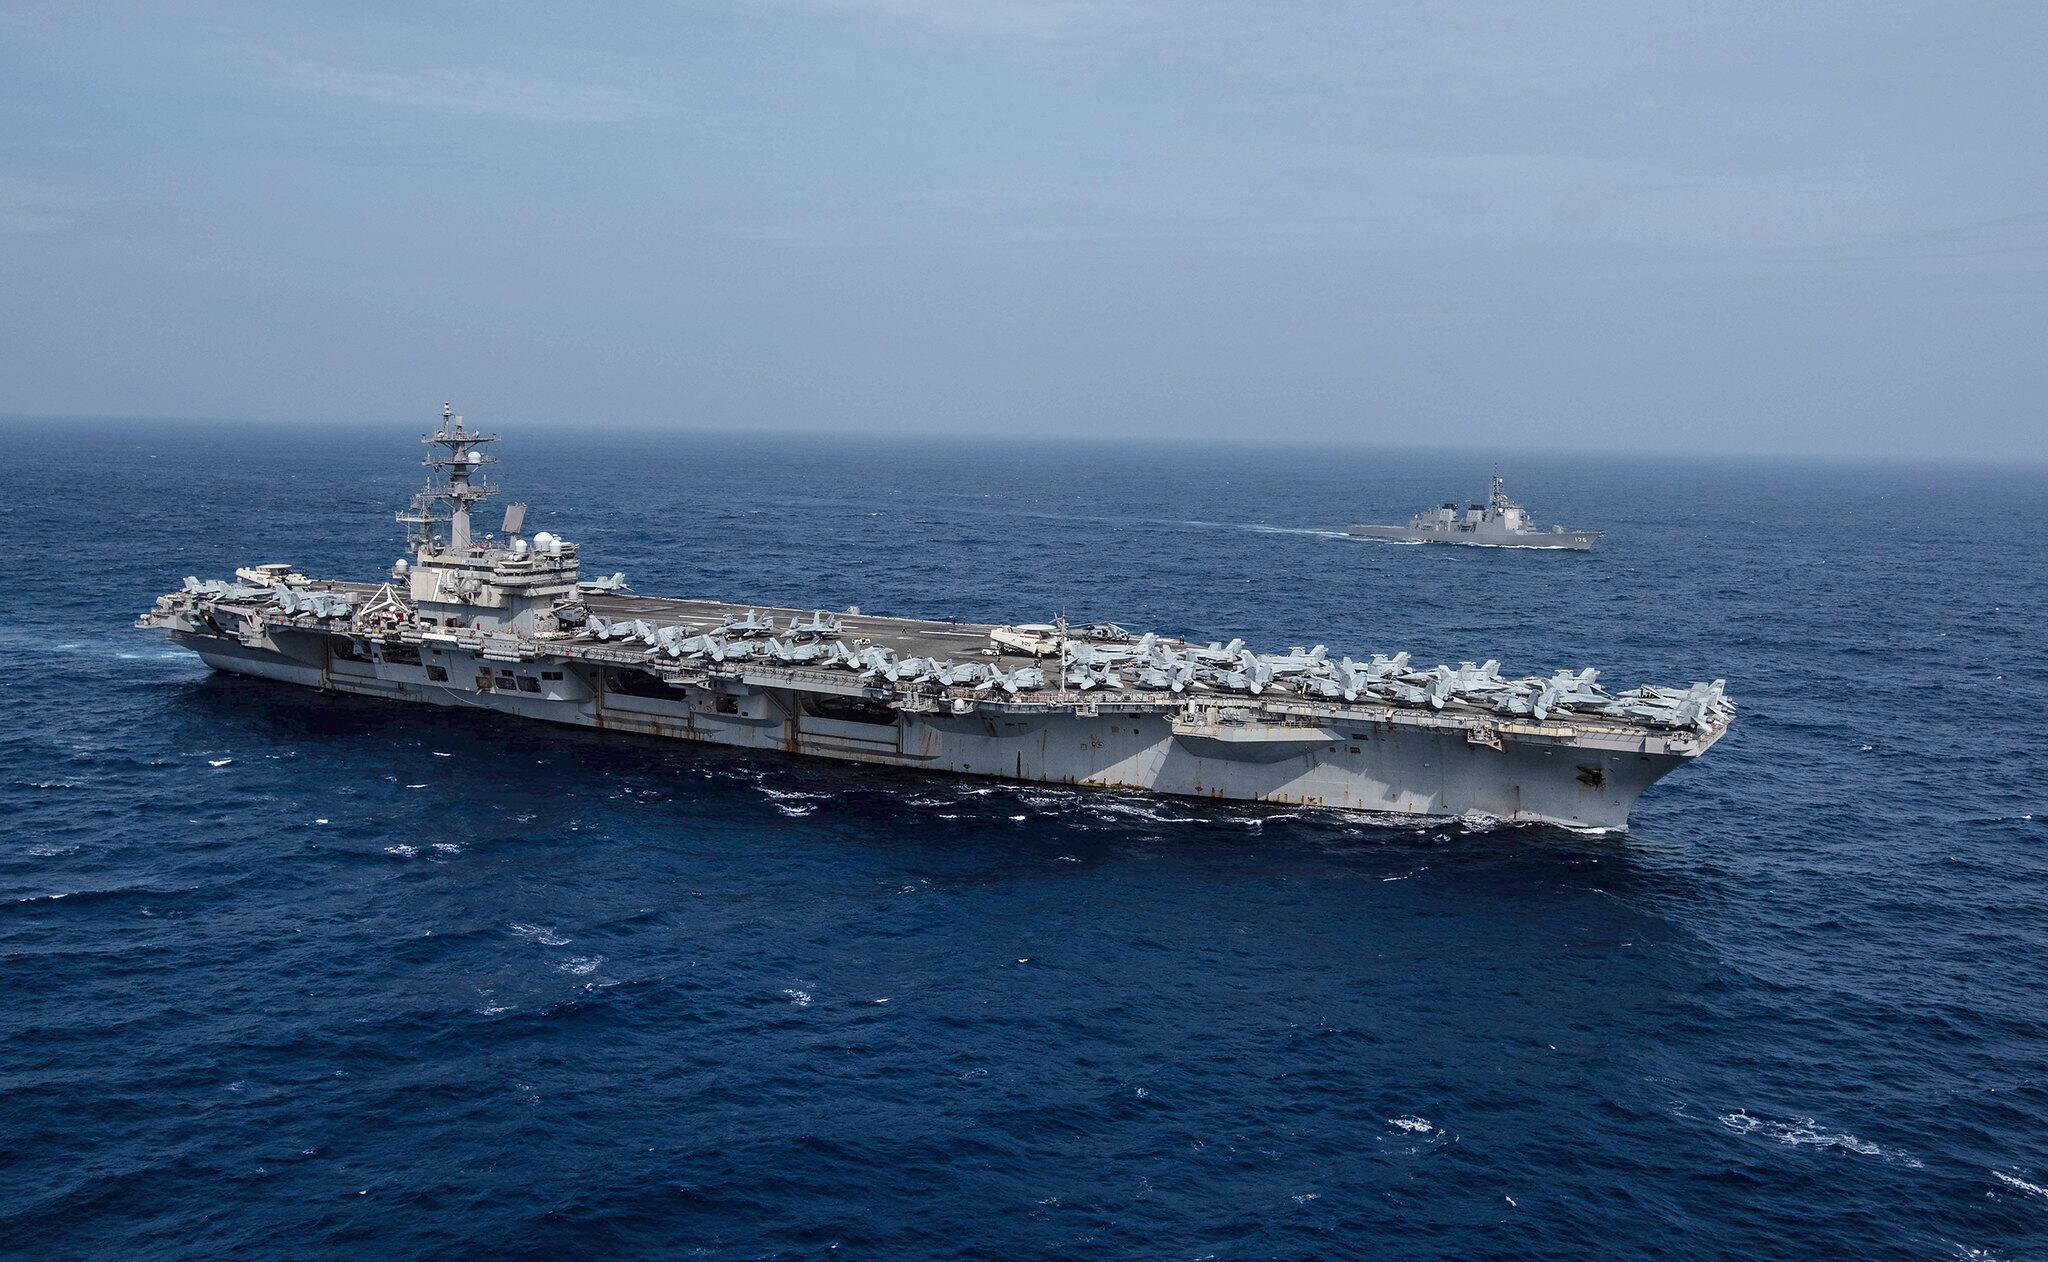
x: 505, y: 622
x: 1498, y: 523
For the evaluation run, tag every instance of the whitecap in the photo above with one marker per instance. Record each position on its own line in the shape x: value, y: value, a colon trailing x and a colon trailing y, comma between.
x: 1151, y: 813
x: 789, y: 795
x: 1417, y: 1125
x: 218, y: 762
x: 1805, y: 1132
x: 402, y: 850
x: 801, y: 998
x: 546, y: 936
x: 2021, y: 1184
x: 580, y: 965
x: 794, y: 811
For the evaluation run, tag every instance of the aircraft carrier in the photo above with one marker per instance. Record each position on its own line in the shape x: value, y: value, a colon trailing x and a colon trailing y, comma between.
x: 505, y: 622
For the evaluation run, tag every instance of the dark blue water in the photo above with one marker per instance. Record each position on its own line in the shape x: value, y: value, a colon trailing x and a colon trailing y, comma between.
x: 297, y: 975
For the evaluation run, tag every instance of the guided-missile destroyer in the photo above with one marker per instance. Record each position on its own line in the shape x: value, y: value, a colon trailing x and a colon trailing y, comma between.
x: 1498, y: 523
x: 506, y: 622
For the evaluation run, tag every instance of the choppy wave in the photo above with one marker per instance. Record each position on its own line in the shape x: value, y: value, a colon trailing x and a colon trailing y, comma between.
x: 614, y: 997
x: 1805, y: 1132
x: 537, y: 933
x: 90, y: 896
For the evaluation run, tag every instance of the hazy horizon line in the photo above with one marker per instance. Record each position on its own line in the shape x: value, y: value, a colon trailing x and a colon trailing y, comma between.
x: 1288, y: 440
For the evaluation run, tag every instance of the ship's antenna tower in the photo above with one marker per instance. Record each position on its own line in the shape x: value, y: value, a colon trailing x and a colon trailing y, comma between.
x: 452, y: 453
x: 1499, y: 498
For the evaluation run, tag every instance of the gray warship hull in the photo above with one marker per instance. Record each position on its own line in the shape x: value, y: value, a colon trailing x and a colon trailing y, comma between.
x: 1564, y: 540
x: 1382, y: 759
x: 505, y: 624
x: 1498, y: 523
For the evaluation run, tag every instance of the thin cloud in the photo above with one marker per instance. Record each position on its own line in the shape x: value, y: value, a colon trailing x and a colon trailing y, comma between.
x: 1518, y: 199
x: 453, y: 91
x: 1508, y: 47
x: 29, y: 205
x: 2011, y: 234
x: 1560, y: 196
x: 1028, y: 19
x: 2009, y: 244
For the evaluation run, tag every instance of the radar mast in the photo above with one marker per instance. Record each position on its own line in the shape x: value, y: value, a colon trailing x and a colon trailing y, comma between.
x: 453, y: 453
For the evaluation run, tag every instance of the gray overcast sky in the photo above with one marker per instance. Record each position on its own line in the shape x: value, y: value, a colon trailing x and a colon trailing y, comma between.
x: 1730, y: 226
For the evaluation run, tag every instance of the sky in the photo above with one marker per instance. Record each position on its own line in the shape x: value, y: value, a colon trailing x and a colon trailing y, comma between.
x: 1730, y: 227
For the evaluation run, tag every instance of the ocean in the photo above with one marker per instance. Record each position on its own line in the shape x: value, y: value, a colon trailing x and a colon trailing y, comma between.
x: 292, y: 975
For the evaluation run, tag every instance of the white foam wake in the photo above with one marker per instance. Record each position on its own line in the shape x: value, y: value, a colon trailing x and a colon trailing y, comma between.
x: 1805, y: 1132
